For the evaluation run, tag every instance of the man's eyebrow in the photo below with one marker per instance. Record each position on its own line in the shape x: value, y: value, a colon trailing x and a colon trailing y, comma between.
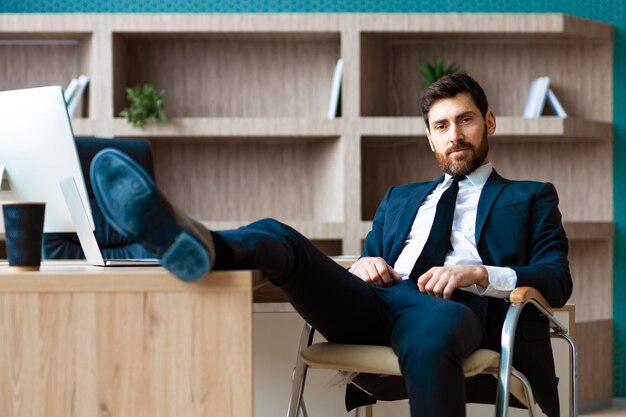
x: 438, y: 121
x: 458, y: 116
x: 466, y: 113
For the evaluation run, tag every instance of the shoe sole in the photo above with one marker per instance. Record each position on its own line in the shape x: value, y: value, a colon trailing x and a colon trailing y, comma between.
x: 130, y: 202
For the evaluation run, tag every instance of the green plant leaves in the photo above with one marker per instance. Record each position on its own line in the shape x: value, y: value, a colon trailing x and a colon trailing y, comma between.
x: 145, y: 103
x: 431, y: 72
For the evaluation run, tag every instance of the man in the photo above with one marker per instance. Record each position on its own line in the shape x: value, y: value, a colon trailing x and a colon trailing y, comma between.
x: 438, y: 262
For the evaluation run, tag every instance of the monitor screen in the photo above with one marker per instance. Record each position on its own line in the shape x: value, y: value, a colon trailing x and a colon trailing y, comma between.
x: 37, y: 151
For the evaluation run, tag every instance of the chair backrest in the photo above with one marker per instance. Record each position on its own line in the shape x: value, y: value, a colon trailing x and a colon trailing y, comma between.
x: 112, y: 243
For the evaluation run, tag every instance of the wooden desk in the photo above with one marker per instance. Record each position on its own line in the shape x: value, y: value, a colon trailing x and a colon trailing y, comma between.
x: 77, y: 340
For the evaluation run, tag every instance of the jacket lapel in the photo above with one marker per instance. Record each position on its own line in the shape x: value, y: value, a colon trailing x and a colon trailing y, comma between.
x: 409, y: 211
x: 494, y: 185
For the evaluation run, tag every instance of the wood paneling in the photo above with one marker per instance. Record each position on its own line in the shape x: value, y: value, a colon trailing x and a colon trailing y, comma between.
x: 247, y: 181
x: 392, y: 161
x: 46, y: 64
x: 516, y: 65
x: 591, y: 264
x: 594, y: 341
x: 509, y: 129
x: 126, y: 353
x: 232, y: 77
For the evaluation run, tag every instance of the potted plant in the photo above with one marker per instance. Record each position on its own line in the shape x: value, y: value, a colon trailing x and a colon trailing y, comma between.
x: 431, y: 72
x: 145, y: 103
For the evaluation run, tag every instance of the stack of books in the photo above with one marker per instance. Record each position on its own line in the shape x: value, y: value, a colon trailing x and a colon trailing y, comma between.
x: 74, y: 91
x: 537, y: 94
x: 334, y: 105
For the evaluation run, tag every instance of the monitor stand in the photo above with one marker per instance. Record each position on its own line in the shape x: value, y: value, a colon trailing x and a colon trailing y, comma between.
x: 4, y: 179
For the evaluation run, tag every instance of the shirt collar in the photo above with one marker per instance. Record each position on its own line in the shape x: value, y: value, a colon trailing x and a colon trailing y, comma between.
x: 478, y: 178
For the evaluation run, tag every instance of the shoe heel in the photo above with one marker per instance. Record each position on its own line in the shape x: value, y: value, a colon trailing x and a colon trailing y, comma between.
x: 187, y: 258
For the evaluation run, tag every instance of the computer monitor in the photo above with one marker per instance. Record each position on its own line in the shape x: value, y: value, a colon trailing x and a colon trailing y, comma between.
x: 37, y: 151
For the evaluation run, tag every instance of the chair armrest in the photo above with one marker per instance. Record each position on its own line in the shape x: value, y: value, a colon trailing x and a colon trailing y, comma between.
x: 522, y: 295
x: 528, y: 295
x: 519, y: 298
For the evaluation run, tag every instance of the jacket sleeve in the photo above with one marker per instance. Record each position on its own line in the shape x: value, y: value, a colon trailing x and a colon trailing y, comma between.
x: 547, y: 269
x: 374, y: 239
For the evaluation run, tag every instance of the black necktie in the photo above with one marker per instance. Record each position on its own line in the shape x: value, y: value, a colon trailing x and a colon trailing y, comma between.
x: 438, y: 242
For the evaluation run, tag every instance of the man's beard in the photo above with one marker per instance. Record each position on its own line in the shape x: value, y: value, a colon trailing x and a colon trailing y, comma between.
x: 468, y: 164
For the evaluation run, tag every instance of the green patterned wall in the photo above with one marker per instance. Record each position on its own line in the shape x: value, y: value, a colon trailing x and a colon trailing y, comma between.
x: 610, y: 11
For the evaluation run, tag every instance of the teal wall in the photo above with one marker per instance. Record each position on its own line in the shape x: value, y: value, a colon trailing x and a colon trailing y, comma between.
x: 610, y: 11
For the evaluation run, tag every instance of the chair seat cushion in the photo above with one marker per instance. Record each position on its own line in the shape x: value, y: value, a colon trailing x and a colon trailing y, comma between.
x: 382, y: 359
x: 352, y: 358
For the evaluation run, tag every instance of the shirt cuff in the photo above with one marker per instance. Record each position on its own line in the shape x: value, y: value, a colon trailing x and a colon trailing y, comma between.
x: 502, y: 281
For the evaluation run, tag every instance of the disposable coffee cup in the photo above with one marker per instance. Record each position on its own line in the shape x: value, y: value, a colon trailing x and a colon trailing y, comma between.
x: 23, y: 228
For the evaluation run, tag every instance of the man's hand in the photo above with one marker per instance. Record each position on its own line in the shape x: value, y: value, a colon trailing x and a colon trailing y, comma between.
x: 440, y: 281
x: 375, y: 271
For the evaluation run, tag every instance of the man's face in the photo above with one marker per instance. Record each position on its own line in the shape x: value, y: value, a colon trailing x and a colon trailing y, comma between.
x: 458, y: 134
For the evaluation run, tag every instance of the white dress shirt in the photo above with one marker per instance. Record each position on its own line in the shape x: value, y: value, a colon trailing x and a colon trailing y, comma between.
x: 502, y: 280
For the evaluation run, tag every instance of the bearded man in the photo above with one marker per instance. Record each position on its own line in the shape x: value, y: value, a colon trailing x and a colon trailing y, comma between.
x: 438, y: 265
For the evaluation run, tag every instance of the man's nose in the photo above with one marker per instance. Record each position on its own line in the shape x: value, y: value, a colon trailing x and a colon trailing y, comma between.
x: 456, y: 133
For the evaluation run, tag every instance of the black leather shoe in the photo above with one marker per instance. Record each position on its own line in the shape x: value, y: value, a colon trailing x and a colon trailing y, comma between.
x: 132, y: 204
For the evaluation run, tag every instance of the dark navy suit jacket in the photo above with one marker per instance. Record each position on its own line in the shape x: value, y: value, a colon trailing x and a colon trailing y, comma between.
x: 518, y: 225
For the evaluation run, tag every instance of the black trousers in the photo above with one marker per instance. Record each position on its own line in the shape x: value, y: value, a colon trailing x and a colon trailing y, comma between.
x: 431, y: 336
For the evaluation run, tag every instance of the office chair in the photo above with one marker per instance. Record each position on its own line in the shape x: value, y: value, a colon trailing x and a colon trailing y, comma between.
x: 381, y: 360
x: 112, y: 243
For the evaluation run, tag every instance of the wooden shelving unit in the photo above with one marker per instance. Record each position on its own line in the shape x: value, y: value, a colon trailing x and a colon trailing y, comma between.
x: 248, y: 136
x: 510, y: 129
x: 209, y: 128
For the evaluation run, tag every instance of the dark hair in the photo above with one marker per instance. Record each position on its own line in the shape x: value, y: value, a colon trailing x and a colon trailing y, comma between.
x: 449, y: 86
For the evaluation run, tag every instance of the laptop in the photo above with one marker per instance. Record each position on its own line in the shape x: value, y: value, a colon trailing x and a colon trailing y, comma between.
x: 85, y: 233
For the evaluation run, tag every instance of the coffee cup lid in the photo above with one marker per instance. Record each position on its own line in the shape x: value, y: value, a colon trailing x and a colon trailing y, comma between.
x: 16, y: 203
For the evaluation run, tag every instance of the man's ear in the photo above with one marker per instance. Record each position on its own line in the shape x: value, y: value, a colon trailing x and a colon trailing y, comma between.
x: 430, y: 141
x: 490, y: 118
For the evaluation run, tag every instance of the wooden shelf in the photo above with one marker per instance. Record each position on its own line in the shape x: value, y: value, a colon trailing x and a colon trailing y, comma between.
x: 528, y: 24
x: 288, y: 179
x: 540, y: 26
x: 591, y: 163
x: 37, y: 59
x: 247, y: 95
x: 389, y: 60
x: 312, y: 230
x: 509, y: 129
x: 576, y: 230
x: 225, y: 75
x: 328, y: 237
x: 590, y: 230
x: 206, y: 127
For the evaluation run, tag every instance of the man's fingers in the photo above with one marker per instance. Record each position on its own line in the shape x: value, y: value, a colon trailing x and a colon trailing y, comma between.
x: 447, y: 292
x: 442, y: 281
x: 369, y: 275
x: 394, y: 275
x: 383, y: 272
x: 424, y: 279
x: 359, y: 268
x: 430, y: 286
x: 453, y: 283
x: 363, y: 274
x: 374, y: 271
x: 439, y: 286
x: 432, y: 281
